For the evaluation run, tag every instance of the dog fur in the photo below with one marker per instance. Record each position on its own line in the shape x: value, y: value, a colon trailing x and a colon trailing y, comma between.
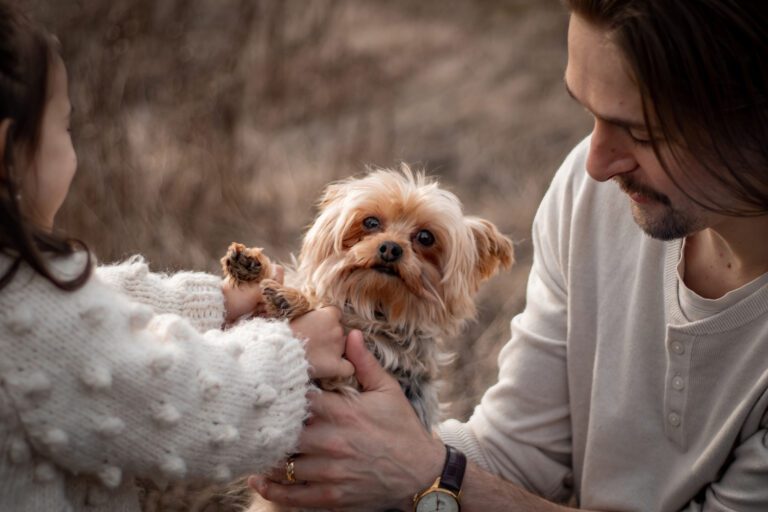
x: 397, y: 255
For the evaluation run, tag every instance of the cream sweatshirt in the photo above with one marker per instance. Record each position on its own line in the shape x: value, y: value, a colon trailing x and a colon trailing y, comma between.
x: 606, y: 391
x: 131, y: 376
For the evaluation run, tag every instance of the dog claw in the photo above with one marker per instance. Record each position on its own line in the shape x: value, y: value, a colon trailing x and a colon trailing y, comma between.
x: 283, y: 302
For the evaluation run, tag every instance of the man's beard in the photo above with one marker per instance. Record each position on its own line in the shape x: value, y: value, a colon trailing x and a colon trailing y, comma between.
x: 669, y: 224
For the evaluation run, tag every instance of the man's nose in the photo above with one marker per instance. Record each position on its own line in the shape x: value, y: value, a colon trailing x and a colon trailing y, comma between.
x: 610, y: 152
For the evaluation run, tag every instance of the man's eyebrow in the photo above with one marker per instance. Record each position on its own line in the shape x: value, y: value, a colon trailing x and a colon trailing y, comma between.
x: 624, y: 123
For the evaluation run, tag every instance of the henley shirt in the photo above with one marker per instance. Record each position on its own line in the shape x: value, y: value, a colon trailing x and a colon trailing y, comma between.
x: 607, y: 394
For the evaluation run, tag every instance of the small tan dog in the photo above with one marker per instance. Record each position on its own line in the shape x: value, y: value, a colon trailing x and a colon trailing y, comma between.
x: 398, y: 256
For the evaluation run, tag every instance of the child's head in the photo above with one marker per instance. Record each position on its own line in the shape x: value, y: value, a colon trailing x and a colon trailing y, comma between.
x: 37, y: 158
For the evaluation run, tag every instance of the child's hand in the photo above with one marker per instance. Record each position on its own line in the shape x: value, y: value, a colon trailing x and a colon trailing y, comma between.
x: 325, y: 343
x: 245, y: 298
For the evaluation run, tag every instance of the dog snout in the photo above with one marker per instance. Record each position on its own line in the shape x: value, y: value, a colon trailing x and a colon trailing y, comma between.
x: 390, y: 252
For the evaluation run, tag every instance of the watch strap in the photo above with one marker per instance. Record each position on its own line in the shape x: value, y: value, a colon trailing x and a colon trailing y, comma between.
x: 453, y: 470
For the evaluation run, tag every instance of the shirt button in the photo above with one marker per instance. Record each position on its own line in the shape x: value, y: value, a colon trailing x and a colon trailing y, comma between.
x: 678, y: 383
x: 674, y: 419
x: 677, y: 347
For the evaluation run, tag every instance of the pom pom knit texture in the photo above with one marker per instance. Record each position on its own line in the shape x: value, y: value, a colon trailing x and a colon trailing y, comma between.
x: 131, y: 376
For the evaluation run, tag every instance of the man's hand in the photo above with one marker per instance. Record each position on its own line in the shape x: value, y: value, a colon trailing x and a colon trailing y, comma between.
x: 362, y: 453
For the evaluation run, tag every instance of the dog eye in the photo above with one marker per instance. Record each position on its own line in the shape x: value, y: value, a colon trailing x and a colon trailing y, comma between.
x: 371, y: 223
x: 425, y: 238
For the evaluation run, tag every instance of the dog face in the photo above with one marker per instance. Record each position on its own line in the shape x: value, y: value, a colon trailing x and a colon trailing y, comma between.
x: 396, y: 248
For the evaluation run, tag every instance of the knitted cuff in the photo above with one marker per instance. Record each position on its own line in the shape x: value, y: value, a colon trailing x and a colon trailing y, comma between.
x: 459, y: 435
x: 194, y: 295
x: 200, y: 299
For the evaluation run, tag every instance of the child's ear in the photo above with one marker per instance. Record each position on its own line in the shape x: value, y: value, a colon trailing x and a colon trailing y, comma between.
x: 5, y: 126
x: 494, y: 250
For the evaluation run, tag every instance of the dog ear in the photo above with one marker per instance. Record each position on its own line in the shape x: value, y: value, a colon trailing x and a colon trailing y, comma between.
x: 494, y: 250
x: 332, y: 192
x: 320, y: 240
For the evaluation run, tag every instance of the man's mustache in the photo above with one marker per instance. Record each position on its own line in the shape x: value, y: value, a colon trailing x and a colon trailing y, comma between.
x: 630, y: 186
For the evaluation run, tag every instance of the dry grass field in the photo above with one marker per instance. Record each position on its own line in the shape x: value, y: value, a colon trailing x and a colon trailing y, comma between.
x: 199, y: 122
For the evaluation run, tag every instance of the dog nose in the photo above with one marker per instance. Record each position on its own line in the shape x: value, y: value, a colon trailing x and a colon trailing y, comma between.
x: 390, y: 252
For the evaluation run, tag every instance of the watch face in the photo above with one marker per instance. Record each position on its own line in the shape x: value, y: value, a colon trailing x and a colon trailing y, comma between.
x: 437, y: 501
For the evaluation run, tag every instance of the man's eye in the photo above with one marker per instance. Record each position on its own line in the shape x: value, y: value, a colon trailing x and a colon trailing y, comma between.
x: 371, y: 223
x: 640, y: 138
x: 425, y: 238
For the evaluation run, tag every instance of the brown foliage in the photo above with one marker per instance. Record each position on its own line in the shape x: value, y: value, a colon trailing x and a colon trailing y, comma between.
x: 199, y: 122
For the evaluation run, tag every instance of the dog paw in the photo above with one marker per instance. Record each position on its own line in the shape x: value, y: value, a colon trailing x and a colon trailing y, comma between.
x: 242, y: 264
x: 283, y: 302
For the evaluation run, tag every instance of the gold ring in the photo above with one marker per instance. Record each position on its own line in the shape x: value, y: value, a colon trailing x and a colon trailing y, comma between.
x: 290, y: 475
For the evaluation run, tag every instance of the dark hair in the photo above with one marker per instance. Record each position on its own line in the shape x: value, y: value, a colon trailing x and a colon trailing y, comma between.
x: 26, y: 52
x: 702, y: 70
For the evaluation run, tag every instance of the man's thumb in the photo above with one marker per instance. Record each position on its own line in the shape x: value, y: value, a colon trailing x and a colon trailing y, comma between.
x: 368, y: 371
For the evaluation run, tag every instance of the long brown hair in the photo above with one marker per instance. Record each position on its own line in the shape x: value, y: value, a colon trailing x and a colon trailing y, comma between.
x: 702, y: 70
x: 26, y: 52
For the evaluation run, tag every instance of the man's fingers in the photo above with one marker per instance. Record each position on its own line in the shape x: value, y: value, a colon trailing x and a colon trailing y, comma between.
x: 255, y: 482
x: 315, y: 438
x: 279, y: 474
x: 297, y: 495
x: 326, y: 405
x: 306, y: 469
x: 368, y: 371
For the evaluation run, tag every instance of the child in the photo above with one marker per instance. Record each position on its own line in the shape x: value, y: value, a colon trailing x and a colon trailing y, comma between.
x: 112, y: 373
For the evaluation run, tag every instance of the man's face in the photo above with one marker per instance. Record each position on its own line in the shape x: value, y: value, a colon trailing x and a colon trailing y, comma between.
x: 620, y: 149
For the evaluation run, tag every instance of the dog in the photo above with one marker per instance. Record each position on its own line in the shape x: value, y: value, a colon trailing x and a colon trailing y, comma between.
x: 396, y: 254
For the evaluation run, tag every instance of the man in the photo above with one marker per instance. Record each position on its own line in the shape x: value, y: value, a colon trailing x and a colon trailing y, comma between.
x: 636, y: 379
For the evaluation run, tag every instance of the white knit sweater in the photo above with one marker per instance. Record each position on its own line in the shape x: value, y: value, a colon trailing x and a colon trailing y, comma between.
x: 98, y: 386
x: 606, y: 390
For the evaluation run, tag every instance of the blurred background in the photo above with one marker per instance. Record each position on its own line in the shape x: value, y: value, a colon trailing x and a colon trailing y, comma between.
x: 200, y: 122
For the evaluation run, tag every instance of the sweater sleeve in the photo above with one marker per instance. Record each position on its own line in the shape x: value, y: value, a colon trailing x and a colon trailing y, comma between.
x: 194, y: 295
x: 104, y: 386
x: 741, y: 487
x: 521, y: 429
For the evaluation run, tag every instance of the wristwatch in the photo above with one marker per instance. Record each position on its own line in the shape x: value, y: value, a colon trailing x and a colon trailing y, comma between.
x: 445, y: 493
